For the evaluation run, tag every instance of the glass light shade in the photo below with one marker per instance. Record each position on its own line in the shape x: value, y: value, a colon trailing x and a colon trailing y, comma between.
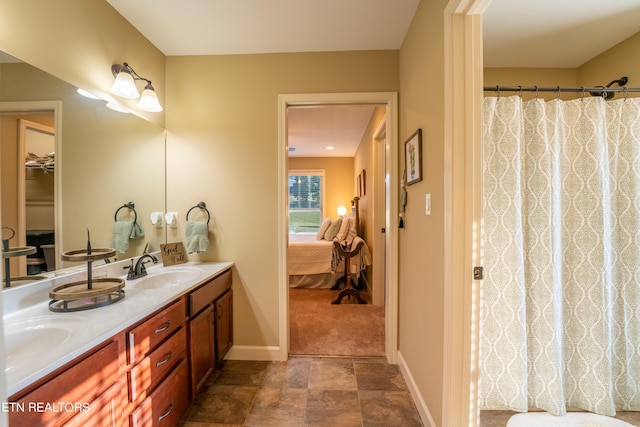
x: 117, y: 108
x: 342, y: 211
x: 125, y: 86
x: 149, y: 101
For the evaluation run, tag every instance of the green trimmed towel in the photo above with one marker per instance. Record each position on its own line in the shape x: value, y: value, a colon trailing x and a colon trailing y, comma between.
x: 122, y: 231
x: 197, y: 234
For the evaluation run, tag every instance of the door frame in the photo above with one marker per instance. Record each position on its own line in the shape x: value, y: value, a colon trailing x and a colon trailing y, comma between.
x: 463, y: 71
x: 390, y: 99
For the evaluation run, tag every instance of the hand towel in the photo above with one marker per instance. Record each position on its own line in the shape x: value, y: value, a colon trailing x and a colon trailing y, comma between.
x: 197, y: 234
x: 136, y: 231
x: 121, y: 234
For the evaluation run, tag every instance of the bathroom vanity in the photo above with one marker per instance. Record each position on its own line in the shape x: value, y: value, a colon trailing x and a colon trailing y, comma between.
x: 137, y: 362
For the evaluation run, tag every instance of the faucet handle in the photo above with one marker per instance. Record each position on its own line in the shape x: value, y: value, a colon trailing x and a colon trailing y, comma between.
x: 131, y: 273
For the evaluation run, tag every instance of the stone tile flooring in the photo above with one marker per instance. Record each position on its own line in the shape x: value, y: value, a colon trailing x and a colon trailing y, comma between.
x: 305, y: 391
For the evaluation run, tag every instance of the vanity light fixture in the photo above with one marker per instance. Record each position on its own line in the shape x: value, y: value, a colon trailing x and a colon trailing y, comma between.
x: 125, y: 86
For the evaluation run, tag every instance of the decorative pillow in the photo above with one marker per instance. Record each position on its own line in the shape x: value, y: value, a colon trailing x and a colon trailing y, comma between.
x: 323, y: 228
x: 344, y: 229
x: 333, y: 229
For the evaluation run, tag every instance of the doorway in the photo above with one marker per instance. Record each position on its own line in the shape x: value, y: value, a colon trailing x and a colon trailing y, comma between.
x: 389, y: 102
x: 34, y: 121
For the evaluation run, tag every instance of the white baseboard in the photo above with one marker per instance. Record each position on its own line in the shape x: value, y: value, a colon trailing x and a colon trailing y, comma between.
x: 251, y: 352
x: 421, y: 406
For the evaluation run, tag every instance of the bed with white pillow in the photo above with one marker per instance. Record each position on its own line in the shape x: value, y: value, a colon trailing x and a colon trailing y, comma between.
x: 312, y: 261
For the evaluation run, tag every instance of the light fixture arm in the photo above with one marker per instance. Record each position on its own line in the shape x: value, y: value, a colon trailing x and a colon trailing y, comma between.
x: 117, y: 68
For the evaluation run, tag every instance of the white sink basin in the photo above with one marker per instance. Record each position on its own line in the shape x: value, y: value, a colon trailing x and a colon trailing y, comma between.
x: 38, y: 337
x: 168, y: 278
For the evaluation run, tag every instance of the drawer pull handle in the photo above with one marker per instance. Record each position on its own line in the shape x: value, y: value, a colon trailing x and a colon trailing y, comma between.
x: 164, y: 327
x: 165, y: 360
x: 166, y: 414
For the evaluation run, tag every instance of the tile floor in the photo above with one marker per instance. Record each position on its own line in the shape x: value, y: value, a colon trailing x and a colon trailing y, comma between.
x: 305, y: 391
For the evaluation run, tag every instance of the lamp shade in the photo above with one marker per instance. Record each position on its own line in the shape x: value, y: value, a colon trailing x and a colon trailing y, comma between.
x: 342, y: 211
x: 125, y: 86
x: 149, y: 100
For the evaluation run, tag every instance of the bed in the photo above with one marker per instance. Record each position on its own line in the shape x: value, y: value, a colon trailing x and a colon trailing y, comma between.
x: 311, y: 262
x: 315, y: 263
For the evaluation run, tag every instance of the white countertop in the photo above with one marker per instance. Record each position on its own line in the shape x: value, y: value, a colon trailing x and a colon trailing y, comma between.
x: 91, y: 327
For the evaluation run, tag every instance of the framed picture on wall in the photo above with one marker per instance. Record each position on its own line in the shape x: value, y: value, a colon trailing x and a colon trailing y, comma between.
x: 413, y: 157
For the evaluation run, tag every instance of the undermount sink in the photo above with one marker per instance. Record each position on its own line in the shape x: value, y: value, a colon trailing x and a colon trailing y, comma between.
x: 37, y: 337
x: 168, y: 278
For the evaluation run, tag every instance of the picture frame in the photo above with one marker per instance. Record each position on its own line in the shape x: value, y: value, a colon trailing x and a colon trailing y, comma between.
x: 413, y: 157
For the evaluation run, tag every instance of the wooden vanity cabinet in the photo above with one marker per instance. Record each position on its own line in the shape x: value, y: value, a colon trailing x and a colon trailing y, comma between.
x: 86, y: 391
x: 143, y: 375
x: 210, y: 328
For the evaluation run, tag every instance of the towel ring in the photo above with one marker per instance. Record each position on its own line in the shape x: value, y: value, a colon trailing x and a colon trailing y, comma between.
x: 203, y: 206
x: 129, y: 205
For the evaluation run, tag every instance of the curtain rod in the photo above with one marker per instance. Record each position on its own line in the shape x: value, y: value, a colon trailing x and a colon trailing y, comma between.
x: 593, y: 90
x: 606, y: 92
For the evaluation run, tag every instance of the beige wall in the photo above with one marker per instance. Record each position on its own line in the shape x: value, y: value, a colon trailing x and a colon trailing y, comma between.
x: 222, y: 122
x: 78, y: 41
x: 421, y: 298
x: 620, y: 60
x: 365, y: 160
x: 599, y: 71
x: 338, y: 178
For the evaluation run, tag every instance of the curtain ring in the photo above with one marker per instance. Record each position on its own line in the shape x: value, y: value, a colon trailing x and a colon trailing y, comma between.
x: 520, y: 86
x: 497, y: 91
x: 558, y: 92
x: 625, y: 92
x: 583, y: 91
x: 536, y: 88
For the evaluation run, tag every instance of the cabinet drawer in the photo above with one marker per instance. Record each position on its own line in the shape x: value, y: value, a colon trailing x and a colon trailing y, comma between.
x: 78, y: 384
x: 202, y: 297
x: 167, y: 403
x: 155, y: 366
x: 142, y: 339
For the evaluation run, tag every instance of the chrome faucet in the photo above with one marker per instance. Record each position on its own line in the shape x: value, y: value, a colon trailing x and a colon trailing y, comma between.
x: 139, y: 270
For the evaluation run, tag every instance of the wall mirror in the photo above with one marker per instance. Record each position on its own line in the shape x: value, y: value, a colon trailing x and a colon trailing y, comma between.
x: 102, y: 160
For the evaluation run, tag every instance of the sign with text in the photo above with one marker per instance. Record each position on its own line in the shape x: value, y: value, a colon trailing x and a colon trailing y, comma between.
x: 173, y: 253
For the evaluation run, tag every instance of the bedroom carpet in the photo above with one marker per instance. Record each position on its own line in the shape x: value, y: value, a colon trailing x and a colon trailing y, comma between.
x: 319, y: 328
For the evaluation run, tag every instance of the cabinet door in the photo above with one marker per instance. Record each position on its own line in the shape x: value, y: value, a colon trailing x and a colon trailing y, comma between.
x: 104, y: 411
x: 201, y: 349
x: 223, y: 325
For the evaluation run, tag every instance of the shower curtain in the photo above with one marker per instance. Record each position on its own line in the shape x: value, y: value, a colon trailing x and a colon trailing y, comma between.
x: 560, y: 322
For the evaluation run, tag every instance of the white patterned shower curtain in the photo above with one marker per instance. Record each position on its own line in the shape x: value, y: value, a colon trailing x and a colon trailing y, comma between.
x: 560, y: 322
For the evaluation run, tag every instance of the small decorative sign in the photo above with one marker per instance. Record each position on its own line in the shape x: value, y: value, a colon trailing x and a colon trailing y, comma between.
x: 173, y: 253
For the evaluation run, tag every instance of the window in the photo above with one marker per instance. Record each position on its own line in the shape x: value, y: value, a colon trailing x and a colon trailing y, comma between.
x: 306, y: 200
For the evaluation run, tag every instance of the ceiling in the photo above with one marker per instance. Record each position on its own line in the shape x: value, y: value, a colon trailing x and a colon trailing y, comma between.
x: 517, y: 33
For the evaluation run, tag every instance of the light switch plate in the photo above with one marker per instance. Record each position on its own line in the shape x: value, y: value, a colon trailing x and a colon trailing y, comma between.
x: 428, y: 204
